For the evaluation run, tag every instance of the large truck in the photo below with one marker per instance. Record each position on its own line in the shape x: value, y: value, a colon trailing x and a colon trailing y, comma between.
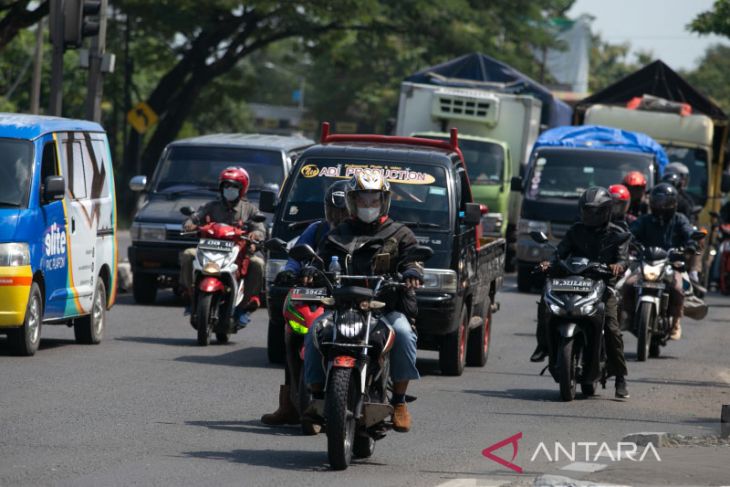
x: 693, y: 130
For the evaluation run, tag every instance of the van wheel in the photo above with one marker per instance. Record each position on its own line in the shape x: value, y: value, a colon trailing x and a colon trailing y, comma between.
x: 144, y: 288
x: 90, y: 329
x: 25, y: 340
x: 477, y: 348
x: 452, y: 354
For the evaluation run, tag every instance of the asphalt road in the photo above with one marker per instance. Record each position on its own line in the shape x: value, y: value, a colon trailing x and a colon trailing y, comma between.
x: 149, y: 407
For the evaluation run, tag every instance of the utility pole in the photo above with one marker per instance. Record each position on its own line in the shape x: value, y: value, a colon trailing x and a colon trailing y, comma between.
x: 57, y: 39
x: 35, y: 92
x: 96, y: 58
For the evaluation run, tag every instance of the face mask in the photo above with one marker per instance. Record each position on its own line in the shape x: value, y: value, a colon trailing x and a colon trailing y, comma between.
x: 230, y: 194
x: 368, y: 215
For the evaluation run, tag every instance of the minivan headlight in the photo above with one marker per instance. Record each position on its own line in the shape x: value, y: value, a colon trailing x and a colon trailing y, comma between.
x: 14, y: 254
x: 147, y: 232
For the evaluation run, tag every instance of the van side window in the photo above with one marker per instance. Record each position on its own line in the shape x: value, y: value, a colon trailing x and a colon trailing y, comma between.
x: 73, y: 169
x: 49, y: 164
x: 96, y: 167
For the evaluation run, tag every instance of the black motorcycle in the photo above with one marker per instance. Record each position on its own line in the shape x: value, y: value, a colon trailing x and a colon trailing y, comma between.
x: 575, y: 312
x: 355, y: 346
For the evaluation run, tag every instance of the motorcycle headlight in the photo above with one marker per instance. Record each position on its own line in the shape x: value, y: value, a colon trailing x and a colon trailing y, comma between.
x: 587, y: 309
x: 652, y: 272
x: 556, y: 310
x: 147, y: 232
x: 350, y: 329
x: 14, y: 254
x: 212, y: 268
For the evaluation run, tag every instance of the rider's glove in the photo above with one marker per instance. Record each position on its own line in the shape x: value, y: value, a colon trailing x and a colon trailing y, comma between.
x: 285, y: 278
x: 310, y: 272
x: 413, y: 274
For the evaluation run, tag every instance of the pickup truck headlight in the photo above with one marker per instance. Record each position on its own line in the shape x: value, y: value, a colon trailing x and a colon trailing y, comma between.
x: 443, y: 280
x: 526, y: 226
x: 273, y: 267
x: 147, y: 232
x: 14, y: 254
x: 492, y: 223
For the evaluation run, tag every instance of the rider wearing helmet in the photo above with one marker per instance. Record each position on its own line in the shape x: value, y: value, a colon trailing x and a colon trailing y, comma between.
x: 599, y: 240
x: 368, y: 202
x: 335, y: 212
x: 665, y: 228
x: 677, y: 175
x: 621, y: 201
x: 635, y: 182
x: 231, y: 208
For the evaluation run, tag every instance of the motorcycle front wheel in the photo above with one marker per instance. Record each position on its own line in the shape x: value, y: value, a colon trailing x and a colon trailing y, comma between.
x: 340, y: 418
x: 203, y: 318
x: 643, y: 331
x: 566, y: 368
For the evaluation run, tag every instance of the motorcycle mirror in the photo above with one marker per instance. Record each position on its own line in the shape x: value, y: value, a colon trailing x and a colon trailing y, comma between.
x: 186, y: 210
x: 303, y: 253
x: 539, y: 237
x: 258, y: 218
x: 275, y: 245
x: 697, y: 235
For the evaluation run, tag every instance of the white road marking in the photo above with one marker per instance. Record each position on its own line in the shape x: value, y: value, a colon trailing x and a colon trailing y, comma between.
x: 584, y: 467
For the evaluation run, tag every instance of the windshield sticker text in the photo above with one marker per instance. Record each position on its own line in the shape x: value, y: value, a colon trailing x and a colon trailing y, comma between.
x: 394, y: 174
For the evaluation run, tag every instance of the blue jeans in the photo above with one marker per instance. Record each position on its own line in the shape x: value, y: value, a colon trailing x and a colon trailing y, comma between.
x: 402, y: 355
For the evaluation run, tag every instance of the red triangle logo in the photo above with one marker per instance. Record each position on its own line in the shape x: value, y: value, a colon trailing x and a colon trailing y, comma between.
x: 513, y: 440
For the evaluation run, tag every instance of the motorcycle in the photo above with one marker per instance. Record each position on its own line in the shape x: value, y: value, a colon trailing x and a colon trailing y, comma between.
x: 652, y: 324
x: 219, y: 270
x: 573, y: 295
x: 723, y: 255
x: 355, y: 344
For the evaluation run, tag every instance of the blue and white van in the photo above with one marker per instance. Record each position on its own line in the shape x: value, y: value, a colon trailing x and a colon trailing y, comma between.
x: 58, y: 249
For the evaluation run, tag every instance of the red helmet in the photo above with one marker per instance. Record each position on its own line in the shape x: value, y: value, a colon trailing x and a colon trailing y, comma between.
x: 634, y: 178
x: 621, y: 199
x: 236, y: 175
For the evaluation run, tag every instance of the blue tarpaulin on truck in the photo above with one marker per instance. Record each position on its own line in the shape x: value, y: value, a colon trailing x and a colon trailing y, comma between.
x: 607, y: 138
x: 479, y: 70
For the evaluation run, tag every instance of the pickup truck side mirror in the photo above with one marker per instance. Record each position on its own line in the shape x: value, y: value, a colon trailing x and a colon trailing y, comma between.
x: 267, y: 201
x: 516, y: 184
x: 725, y: 183
x: 275, y: 245
x: 539, y: 237
x: 186, y: 210
x: 138, y: 183
x: 54, y: 188
x: 472, y: 214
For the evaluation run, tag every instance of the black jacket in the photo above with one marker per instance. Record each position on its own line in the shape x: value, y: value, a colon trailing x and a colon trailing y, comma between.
x: 650, y: 231
x: 685, y: 204
x: 599, y: 244
x: 364, y: 241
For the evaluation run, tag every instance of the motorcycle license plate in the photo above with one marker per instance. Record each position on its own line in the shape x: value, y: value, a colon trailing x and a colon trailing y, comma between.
x: 652, y: 285
x: 571, y: 285
x: 308, y: 293
x: 215, y: 245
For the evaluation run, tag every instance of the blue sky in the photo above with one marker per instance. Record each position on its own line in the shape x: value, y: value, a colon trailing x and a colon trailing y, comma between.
x: 651, y: 25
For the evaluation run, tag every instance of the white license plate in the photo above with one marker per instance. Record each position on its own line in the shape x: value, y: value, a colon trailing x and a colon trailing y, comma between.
x: 215, y: 245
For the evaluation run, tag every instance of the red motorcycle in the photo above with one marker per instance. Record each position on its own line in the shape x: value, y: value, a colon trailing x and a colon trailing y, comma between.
x: 219, y: 270
x: 724, y: 256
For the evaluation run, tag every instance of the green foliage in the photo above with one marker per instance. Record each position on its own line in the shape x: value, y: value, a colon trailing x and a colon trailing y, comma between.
x: 610, y: 62
x: 715, y: 21
x: 711, y: 75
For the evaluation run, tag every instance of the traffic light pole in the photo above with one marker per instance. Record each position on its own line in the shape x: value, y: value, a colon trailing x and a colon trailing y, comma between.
x: 57, y: 26
x: 95, y: 85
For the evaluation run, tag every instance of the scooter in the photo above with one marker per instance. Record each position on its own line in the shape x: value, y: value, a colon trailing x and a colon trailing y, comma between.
x: 219, y: 270
x: 723, y: 255
x: 574, y: 297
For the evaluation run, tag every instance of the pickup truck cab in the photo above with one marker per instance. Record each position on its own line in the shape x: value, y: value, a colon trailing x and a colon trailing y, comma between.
x: 187, y: 175
x: 432, y: 195
x: 58, y: 228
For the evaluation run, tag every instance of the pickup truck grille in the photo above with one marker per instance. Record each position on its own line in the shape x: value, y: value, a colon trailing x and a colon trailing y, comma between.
x: 173, y: 235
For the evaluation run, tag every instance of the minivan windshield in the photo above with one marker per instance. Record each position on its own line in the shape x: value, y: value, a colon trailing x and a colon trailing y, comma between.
x: 696, y: 162
x: 567, y: 173
x: 16, y: 166
x: 419, y: 191
x: 191, y: 168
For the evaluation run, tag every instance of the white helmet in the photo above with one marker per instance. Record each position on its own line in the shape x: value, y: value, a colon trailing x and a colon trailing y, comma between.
x: 681, y: 170
x: 368, y: 181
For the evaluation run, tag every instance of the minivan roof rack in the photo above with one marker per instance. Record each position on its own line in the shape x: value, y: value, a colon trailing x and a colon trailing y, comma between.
x: 452, y: 145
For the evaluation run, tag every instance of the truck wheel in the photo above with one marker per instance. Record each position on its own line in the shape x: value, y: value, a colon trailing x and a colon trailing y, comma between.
x: 524, y: 279
x: 452, y: 354
x: 25, y: 340
x: 144, y: 288
x: 275, y: 347
x: 90, y: 329
x: 477, y: 348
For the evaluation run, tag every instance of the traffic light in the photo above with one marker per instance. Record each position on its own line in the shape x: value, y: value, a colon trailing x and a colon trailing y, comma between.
x: 79, y: 21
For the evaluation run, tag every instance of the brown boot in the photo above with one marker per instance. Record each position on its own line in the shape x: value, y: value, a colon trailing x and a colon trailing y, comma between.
x: 401, y: 418
x: 286, y: 414
x: 676, y: 333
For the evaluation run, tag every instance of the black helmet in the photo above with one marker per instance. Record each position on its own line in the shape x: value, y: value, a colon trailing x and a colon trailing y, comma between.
x: 663, y: 200
x: 335, y: 204
x: 595, y: 206
x: 672, y: 178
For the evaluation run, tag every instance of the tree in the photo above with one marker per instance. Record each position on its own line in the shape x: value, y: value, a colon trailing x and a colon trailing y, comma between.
x: 610, y: 62
x: 17, y: 16
x: 710, y: 76
x: 715, y: 21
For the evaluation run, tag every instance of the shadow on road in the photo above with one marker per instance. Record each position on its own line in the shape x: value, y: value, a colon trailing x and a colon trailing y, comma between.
x: 537, y: 395
x: 676, y: 382
x: 164, y: 300
x: 244, y: 357
x: 250, y: 426
x: 46, y: 344
x: 171, y: 341
x: 623, y: 419
x: 280, y: 459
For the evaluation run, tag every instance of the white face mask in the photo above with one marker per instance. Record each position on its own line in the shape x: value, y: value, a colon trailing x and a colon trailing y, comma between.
x: 368, y: 215
x: 230, y: 194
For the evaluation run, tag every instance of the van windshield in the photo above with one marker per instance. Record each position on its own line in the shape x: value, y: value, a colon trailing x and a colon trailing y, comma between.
x: 419, y: 191
x: 567, y: 173
x: 197, y: 168
x: 696, y: 162
x: 16, y: 166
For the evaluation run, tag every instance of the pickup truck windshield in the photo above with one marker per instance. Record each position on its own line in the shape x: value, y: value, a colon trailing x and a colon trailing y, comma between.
x: 16, y: 166
x: 419, y: 191
x: 190, y: 168
x: 696, y: 162
x: 567, y: 173
x: 484, y: 160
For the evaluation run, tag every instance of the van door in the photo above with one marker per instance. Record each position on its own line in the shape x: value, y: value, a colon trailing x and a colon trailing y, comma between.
x: 81, y: 223
x: 54, y: 258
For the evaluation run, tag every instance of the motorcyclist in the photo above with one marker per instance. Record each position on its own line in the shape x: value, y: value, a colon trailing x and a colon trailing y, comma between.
x: 621, y: 201
x: 335, y: 212
x: 635, y: 182
x: 232, y: 209
x: 368, y: 201
x: 597, y: 239
x: 665, y: 228
x: 677, y: 174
